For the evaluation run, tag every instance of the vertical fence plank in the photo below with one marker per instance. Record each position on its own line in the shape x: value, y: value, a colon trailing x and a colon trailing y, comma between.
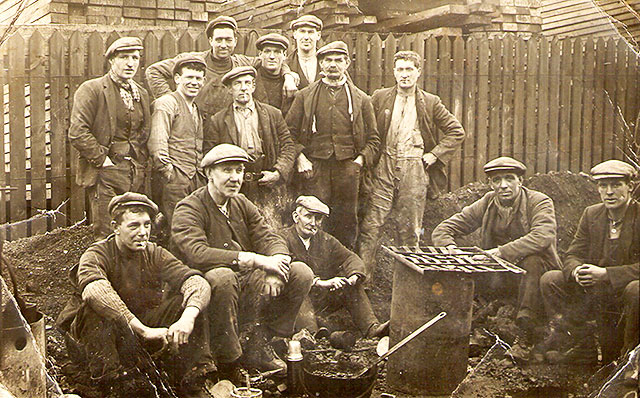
x: 529, y: 125
x: 632, y: 91
x: 576, y: 106
x: 59, y: 120
x: 404, y: 42
x: 609, y: 96
x: 38, y: 134
x: 482, y: 122
x: 495, y: 87
x: 597, y: 143
x: 508, y: 55
x: 620, y: 101
x: 202, y: 42
x: 522, y: 64
x: 250, y: 43
x: 389, y: 50
x: 469, y: 115
x: 18, y: 167
x: 185, y: 43
x: 151, y: 53
x: 375, y: 77
x: 361, y: 64
x: 76, y: 76
x: 168, y: 45
x: 554, y: 103
x: 417, y: 45
x: 565, y: 106
x: 457, y: 94
x: 4, y: 196
x: 431, y: 65
x: 445, y: 71
x: 587, y: 104
x: 542, y: 144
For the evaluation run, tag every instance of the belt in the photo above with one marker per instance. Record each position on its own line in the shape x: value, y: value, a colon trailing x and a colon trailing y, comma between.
x: 252, y: 176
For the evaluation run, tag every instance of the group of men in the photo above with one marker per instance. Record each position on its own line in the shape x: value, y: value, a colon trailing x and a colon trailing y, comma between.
x: 229, y: 144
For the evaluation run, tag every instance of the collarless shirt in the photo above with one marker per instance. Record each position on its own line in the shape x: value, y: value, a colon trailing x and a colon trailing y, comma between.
x: 405, y: 140
x: 246, y: 119
x: 309, y: 66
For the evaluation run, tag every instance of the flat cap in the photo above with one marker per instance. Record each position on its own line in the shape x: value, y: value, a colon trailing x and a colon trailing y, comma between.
x: 222, y: 21
x: 505, y: 163
x: 237, y: 72
x: 272, y: 39
x: 337, y: 46
x: 224, y: 153
x: 124, y: 44
x: 613, y: 169
x: 312, y: 204
x: 132, y: 199
x: 187, y: 58
x: 307, y: 20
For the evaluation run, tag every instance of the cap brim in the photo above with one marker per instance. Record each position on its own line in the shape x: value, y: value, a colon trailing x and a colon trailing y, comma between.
x: 510, y: 169
x: 232, y: 159
x: 604, y: 176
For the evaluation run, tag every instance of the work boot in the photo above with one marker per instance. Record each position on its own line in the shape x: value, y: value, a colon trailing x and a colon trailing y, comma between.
x: 232, y: 371
x: 558, y: 340
x: 259, y: 353
x: 378, y: 330
x: 582, y: 352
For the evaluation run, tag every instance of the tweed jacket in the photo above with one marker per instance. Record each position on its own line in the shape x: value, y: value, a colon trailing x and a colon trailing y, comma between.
x: 326, y: 256
x: 204, y: 238
x: 433, y: 118
x: 294, y: 64
x: 589, y: 242
x: 93, y: 123
x: 536, y: 215
x: 277, y: 144
x: 364, y: 128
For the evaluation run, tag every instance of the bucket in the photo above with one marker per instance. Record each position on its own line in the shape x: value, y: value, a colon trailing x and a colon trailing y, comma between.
x: 246, y: 392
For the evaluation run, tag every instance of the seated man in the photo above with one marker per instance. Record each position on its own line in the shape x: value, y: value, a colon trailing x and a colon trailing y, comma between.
x: 599, y: 277
x: 517, y: 224
x: 220, y: 232
x: 124, y: 307
x: 339, y: 271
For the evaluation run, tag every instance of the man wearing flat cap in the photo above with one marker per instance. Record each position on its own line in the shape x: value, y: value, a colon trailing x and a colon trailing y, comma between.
x: 261, y: 131
x: 517, y: 224
x: 272, y: 51
x: 175, y: 143
x: 338, y: 271
x: 137, y: 296
x: 256, y: 288
x: 599, y: 278
x: 333, y: 124
x: 222, y: 33
x: 109, y: 128
x: 307, y: 31
x: 418, y: 137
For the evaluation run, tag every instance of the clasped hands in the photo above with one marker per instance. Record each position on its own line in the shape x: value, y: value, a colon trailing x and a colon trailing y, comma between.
x: 588, y: 274
x: 175, y: 335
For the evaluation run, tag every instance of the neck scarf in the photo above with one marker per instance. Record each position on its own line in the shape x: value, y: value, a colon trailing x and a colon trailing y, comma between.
x: 128, y: 90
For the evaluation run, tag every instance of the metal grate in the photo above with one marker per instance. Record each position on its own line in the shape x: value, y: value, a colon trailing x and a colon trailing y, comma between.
x: 465, y: 259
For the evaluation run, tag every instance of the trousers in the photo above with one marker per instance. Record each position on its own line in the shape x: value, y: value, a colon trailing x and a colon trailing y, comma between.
x: 177, y: 189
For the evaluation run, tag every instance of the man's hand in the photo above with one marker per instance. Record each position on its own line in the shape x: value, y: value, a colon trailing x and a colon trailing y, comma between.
x: 167, y: 172
x: 269, y: 178
x: 334, y: 283
x: 178, y: 333
x: 290, y: 86
x: 428, y: 159
x: 304, y: 166
x: 588, y: 274
x: 272, y: 285
x: 278, y: 264
x: 495, y: 252
x: 353, y: 279
x: 359, y: 160
x: 107, y: 162
x: 453, y: 249
x: 147, y: 333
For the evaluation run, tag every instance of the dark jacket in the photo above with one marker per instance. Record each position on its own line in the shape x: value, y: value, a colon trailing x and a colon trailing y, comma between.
x: 364, y: 130
x: 434, y: 119
x: 327, y: 257
x: 292, y: 61
x: 589, y: 241
x: 204, y: 238
x: 277, y: 145
x: 535, y: 214
x: 93, y: 122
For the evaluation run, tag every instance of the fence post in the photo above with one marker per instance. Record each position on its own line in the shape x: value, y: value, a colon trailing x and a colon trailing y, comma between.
x: 576, y: 106
x: 469, y: 116
x: 76, y: 77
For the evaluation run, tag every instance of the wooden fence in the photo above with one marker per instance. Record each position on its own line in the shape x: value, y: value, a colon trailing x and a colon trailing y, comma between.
x: 554, y: 104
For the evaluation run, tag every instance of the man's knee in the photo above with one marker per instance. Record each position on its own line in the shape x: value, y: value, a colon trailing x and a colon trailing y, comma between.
x: 301, y: 274
x: 222, y: 279
x: 534, y: 265
x: 549, y: 280
x: 631, y: 295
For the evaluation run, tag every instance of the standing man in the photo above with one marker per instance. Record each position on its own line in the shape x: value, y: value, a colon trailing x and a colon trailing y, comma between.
x: 517, y: 224
x: 307, y: 31
x: 334, y: 126
x: 175, y: 143
x: 412, y: 157
x: 257, y: 128
x: 109, y: 128
x: 272, y: 51
x: 136, y: 294
x: 220, y: 232
x: 600, y: 276
x: 338, y: 271
x: 220, y: 59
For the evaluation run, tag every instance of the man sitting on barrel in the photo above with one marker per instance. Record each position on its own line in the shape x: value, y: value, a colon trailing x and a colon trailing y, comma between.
x: 517, y: 224
x: 126, y: 313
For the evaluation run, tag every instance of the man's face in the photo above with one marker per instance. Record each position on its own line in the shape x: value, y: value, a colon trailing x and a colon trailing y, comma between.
x: 242, y: 89
x: 406, y: 73
x: 189, y: 81
x: 614, y: 192
x: 506, y: 185
x: 306, y: 38
x: 334, y: 65
x: 306, y: 222
x: 225, y: 179
x: 272, y: 58
x: 133, y: 231
x: 223, y: 42
x: 125, y: 63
